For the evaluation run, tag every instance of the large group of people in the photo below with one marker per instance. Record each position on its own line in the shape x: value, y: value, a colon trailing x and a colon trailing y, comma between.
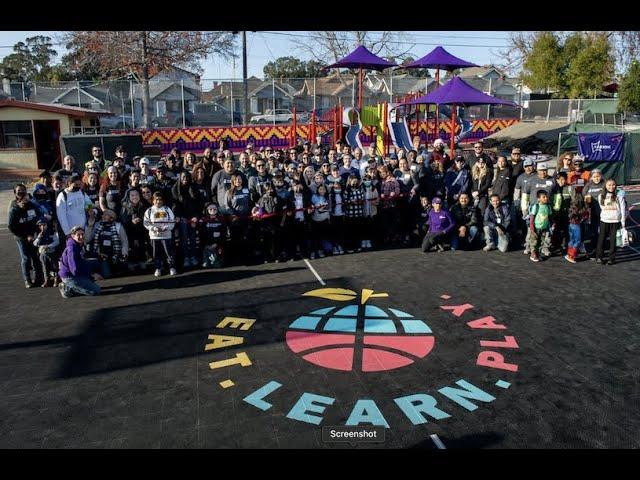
x: 104, y: 218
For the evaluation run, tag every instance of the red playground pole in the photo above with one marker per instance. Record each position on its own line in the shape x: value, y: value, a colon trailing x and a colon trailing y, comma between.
x: 360, y: 90
x: 437, y: 132
x: 453, y: 130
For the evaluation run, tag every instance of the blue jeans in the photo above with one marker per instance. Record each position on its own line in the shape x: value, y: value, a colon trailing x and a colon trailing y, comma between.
x: 80, y: 286
x: 467, y: 241
x: 29, y: 260
x: 575, y: 236
x: 188, y: 240
x: 491, y: 234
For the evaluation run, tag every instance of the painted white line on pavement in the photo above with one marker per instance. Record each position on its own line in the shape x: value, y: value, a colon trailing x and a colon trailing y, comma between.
x: 313, y: 270
x: 438, y: 442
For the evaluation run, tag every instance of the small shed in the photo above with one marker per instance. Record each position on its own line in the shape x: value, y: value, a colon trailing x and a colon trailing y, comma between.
x: 30, y: 132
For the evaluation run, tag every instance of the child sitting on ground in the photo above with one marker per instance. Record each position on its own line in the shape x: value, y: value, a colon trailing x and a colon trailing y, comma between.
x: 47, y: 240
x: 540, y: 227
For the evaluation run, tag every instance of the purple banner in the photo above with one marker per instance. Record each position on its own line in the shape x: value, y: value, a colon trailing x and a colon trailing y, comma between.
x: 601, y: 147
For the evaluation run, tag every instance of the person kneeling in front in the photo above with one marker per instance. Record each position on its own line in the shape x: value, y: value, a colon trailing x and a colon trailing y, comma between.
x: 75, y: 271
x: 497, y: 220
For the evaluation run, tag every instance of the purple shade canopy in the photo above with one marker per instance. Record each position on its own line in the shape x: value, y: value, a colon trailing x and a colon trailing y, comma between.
x: 439, y: 58
x: 362, y: 58
x: 459, y: 92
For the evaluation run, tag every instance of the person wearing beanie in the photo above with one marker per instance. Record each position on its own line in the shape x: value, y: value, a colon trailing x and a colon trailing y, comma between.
x: 47, y: 241
x: 22, y: 222
x: 441, y: 224
x: 108, y: 241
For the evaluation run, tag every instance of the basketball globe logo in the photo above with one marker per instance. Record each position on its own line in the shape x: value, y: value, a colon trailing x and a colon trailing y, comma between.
x: 358, y: 336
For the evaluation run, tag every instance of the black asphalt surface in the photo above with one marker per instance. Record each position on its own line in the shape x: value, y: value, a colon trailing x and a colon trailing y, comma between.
x: 129, y: 369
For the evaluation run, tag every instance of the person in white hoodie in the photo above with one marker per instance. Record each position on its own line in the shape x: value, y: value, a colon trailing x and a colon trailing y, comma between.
x: 72, y: 204
x: 160, y: 221
x: 613, y: 211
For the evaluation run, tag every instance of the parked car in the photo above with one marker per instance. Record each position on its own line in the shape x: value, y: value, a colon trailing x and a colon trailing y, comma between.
x: 203, y: 115
x: 115, y: 122
x: 279, y: 115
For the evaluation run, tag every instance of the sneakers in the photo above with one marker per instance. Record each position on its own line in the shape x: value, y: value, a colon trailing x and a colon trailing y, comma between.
x: 157, y: 273
x: 368, y: 244
x: 312, y: 256
x: 336, y: 251
x: 488, y: 248
x: 440, y: 247
x: 349, y: 251
x: 320, y: 254
x: 545, y: 253
x: 363, y: 244
x: 173, y: 272
x: 28, y: 284
x: 526, y: 251
x: 600, y: 262
x: 62, y: 290
x: 340, y: 250
x: 47, y: 283
x: 570, y: 259
x: 534, y: 258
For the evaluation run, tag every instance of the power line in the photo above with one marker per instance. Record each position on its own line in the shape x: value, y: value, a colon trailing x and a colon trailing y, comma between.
x: 317, y: 37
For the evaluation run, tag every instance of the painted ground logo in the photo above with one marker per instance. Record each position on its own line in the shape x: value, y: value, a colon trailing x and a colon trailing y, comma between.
x: 358, y: 336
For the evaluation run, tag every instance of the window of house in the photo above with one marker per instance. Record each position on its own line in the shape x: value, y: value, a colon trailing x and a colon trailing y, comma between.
x: 16, y: 134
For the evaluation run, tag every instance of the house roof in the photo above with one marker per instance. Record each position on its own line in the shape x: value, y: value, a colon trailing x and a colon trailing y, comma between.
x: 478, y: 71
x: 44, y: 107
x: 223, y: 89
x: 44, y: 94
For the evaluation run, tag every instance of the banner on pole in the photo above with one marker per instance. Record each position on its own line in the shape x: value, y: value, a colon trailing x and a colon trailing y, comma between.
x: 601, y: 147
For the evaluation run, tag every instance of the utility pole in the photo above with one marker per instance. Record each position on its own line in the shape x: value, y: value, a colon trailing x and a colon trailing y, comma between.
x: 244, y: 77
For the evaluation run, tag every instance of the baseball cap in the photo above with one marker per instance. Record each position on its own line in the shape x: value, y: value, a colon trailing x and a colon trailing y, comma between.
x: 527, y: 163
x: 438, y: 141
x: 144, y: 161
x: 542, y: 166
x: 436, y: 200
x: 75, y: 228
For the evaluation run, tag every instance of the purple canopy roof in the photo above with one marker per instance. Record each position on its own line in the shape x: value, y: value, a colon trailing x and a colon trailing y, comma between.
x: 362, y: 58
x: 440, y: 58
x: 459, y: 92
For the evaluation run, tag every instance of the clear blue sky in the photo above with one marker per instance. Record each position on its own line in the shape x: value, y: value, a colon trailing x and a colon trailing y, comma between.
x: 477, y: 47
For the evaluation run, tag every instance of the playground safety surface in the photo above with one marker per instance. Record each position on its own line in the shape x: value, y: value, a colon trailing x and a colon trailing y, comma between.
x: 556, y: 365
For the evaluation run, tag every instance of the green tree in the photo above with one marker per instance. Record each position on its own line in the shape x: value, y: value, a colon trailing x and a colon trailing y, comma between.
x: 292, y: 67
x: 30, y: 60
x: 543, y: 65
x: 629, y: 91
x: 590, y: 68
x: 415, y: 72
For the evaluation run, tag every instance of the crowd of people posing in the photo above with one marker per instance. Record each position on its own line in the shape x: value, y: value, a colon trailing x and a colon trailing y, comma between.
x: 273, y: 205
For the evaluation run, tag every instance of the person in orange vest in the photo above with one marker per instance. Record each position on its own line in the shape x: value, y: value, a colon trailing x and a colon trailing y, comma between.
x: 578, y: 177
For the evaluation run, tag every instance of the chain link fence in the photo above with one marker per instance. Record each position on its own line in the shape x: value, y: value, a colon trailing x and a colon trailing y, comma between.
x: 193, y: 102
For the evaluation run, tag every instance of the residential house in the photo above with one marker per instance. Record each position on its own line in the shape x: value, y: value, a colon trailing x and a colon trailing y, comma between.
x: 327, y: 92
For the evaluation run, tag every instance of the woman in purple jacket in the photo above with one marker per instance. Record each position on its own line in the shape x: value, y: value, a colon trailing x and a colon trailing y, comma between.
x: 441, y: 224
x: 75, y: 271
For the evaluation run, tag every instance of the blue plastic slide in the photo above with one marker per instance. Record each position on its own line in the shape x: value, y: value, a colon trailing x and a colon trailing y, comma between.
x: 400, y: 135
x: 353, y: 134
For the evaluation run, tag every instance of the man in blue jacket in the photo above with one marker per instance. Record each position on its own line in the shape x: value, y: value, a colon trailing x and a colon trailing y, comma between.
x: 497, y: 218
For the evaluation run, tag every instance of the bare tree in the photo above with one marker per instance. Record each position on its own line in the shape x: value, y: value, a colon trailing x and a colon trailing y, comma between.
x: 145, y: 53
x: 329, y: 47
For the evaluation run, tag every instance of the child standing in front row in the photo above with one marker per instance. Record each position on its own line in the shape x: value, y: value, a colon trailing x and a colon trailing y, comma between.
x: 47, y: 240
x: 214, y: 233
x: 160, y: 221
x: 320, y: 222
x: 539, y: 226
x: 576, y: 215
x: 370, y: 210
